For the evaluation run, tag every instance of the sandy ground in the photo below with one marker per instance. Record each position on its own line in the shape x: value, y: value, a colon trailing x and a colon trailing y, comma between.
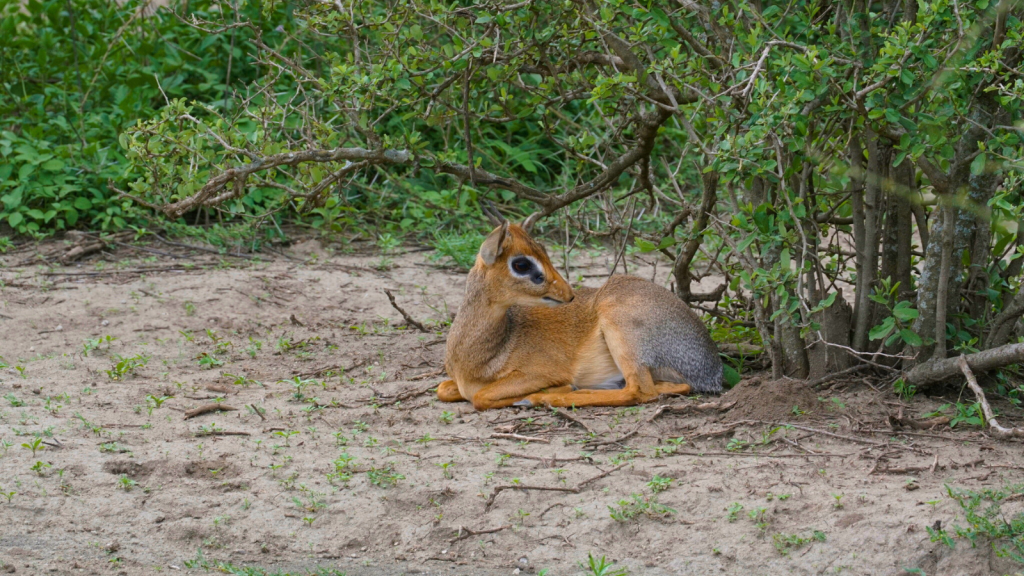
x: 335, y: 454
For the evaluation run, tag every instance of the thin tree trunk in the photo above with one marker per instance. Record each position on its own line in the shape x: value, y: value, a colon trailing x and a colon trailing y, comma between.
x: 948, y: 234
x: 681, y: 269
x: 867, y: 245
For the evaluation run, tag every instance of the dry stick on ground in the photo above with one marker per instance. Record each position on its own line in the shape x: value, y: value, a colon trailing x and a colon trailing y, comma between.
x: 575, y: 490
x: 408, y: 319
x: 257, y: 411
x: 427, y: 375
x: 573, y: 419
x: 552, y: 459
x: 320, y: 371
x: 222, y: 433
x: 520, y: 438
x: 466, y: 532
x: 997, y: 430
x: 207, y: 408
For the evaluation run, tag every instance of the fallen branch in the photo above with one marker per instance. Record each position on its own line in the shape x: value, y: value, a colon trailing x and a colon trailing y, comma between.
x: 573, y: 419
x: 221, y: 433
x: 520, y: 438
x: 427, y: 375
x: 575, y: 490
x: 464, y: 533
x: 408, y: 319
x: 206, y: 409
x: 997, y: 430
x: 553, y: 459
x: 934, y: 371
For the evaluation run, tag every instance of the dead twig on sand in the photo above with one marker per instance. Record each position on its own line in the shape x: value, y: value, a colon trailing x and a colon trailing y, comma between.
x: 206, y: 409
x: 337, y: 367
x: 997, y: 430
x: 575, y: 490
x: 427, y: 375
x: 553, y: 460
x: 408, y: 319
x: 573, y: 419
x: 464, y: 533
x: 520, y: 438
x: 257, y: 411
x: 221, y: 433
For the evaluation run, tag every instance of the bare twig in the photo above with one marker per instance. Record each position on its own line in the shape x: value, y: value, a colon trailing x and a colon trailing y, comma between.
x: 206, y: 409
x: 520, y: 438
x: 408, y: 319
x: 573, y: 419
x: 997, y: 430
x: 575, y: 490
x: 464, y: 533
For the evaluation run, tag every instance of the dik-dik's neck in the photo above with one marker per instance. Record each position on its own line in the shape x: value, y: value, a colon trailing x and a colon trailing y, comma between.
x: 481, y: 330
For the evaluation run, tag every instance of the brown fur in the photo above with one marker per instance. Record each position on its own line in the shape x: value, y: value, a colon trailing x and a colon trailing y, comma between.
x: 514, y: 339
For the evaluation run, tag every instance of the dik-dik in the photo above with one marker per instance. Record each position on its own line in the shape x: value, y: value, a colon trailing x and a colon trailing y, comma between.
x: 524, y: 337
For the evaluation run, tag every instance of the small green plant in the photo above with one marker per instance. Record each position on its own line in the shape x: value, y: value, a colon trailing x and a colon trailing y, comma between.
x: 125, y: 483
x: 904, y: 390
x: 155, y: 402
x: 36, y: 445
x: 785, y: 542
x: 638, y: 504
x: 8, y: 495
x: 602, y: 567
x: 384, y: 477
x: 91, y: 344
x: 986, y: 521
x: 659, y: 484
x: 446, y: 417
x: 732, y: 511
x: 190, y: 308
x: 126, y: 366
x: 40, y: 467
x: 838, y: 504
x: 207, y: 361
x: 14, y: 400
x: 254, y: 347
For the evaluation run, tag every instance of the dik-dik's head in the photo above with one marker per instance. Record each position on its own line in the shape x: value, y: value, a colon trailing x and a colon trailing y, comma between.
x: 516, y: 270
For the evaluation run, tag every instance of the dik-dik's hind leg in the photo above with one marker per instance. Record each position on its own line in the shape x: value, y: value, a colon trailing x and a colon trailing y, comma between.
x: 672, y: 388
x: 448, y: 391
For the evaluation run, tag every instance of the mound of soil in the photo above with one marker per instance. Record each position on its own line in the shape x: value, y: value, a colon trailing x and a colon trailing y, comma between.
x: 770, y: 400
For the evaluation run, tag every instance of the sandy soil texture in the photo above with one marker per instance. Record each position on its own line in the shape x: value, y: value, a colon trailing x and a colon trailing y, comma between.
x: 325, y: 448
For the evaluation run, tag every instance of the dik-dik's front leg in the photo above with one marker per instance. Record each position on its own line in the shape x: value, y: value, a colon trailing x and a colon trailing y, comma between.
x: 513, y: 388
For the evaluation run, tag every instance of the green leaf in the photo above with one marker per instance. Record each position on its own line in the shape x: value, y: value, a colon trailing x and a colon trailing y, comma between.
x: 53, y: 165
x: 911, y: 337
x: 905, y: 314
x: 883, y: 329
x: 978, y: 165
x: 15, y: 219
x: 732, y: 377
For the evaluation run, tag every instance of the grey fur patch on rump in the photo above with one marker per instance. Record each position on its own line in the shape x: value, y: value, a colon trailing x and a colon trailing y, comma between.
x: 677, y: 348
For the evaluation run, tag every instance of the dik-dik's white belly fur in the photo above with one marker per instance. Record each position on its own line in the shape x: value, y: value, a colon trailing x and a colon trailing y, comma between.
x: 595, y: 367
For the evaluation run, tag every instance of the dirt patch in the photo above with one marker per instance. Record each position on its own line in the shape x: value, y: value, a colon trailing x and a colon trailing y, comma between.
x: 340, y: 457
x: 766, y: 400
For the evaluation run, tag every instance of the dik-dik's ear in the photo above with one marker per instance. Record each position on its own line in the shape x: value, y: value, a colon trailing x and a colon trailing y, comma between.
x: 491, y: 248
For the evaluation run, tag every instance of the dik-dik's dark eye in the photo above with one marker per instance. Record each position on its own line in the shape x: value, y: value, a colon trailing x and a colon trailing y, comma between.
x: 525, y: 267
x: 522, y: 266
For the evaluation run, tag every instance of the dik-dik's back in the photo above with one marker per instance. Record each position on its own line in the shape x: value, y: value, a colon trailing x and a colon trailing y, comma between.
x: 524, y: 337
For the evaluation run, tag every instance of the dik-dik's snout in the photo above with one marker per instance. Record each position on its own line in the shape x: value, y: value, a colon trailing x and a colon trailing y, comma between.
x: 559, y: 293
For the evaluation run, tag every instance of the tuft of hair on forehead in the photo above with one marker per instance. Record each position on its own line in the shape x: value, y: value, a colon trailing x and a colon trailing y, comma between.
x: 521, y: 239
